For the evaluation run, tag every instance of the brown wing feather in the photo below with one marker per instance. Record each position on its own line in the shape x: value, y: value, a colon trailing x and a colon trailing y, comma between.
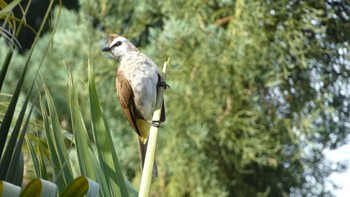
x: 126, y: 100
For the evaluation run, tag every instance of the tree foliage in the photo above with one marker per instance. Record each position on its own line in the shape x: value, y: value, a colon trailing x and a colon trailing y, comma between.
x: 258, y: 89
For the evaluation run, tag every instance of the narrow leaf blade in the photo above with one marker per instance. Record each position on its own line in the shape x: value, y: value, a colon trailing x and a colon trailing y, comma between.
x: 107, y: 154
x: 60, y: 147
x: 80, y: 133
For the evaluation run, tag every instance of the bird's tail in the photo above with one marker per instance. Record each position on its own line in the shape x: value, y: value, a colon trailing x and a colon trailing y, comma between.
x: 142, y: 151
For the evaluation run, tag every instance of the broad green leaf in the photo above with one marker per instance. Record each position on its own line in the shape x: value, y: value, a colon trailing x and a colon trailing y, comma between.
x: 8, y: 189
x: 106, y: 152
x: 81, y: 186
x: 38, y: 188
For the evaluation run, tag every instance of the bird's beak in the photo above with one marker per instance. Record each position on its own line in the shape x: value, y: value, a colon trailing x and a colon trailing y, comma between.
x: 106, y: 49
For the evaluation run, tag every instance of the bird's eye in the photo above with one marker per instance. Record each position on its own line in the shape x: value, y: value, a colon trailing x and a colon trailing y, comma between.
x: 118, y: 43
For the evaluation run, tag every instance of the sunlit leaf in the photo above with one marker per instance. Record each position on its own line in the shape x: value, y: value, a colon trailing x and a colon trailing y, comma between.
x: 38, y: 188
x: 81, y: 186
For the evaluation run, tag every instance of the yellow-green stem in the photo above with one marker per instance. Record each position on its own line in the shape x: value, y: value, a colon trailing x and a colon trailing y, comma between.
x: 145, y: 186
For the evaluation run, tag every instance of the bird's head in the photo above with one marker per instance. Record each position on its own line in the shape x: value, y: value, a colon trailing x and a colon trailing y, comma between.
x: 118, y: 46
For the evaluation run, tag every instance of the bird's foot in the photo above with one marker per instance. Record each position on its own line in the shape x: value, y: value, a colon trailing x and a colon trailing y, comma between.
x: 163, y: 84
x: 155, y: 123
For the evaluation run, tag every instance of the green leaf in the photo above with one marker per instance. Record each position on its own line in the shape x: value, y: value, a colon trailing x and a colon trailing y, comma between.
x: 132, y: 191
x: 61, y: 183
x: 8, y: 7
x: 80, y: 133
x: 106, y: 151
x: 34, y: 157
x: 60, y: 147
x: 8, y: 189
x: 101, y: 178
x: 38, y: 188
x: 81, y: 186
x: 38, y: 155
x: 6, y: 122
x: 4, y: 67
x: 16, y: 168
x: 9, y: 164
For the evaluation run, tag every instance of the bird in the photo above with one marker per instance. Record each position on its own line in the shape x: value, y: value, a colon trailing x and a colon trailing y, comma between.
x: 137, y: 82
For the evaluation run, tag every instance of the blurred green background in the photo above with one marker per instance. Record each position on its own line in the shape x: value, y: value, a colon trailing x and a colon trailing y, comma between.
x: 258, y: 88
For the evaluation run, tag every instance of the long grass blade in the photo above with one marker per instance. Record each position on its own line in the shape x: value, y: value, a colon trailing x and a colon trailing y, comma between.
x: 34, y: 157
x: 80, y: 133
x: 43, y: 170
x: 40, y: 168
x: 60, y: 147
x: 38, y: 153
x: 6, y: 122
x: 5, y: 67
x: 52, y: 148
x: 19, y: 170
x: 9, y: 155
x: 106, y: 152
x: 16, y: 164
x: 101, y: 178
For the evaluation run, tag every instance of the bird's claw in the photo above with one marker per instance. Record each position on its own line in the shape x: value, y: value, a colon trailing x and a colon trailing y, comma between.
x: 163, y: 84
x: 155, y: 123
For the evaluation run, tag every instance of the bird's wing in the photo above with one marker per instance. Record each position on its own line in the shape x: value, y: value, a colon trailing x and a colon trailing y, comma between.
x: 126, y: 99
x: 162, y: 115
